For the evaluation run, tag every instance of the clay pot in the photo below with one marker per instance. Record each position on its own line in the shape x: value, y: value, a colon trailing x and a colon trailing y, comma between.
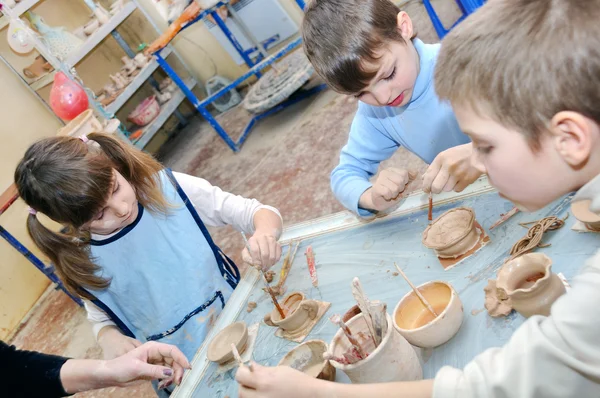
x: 308, y: 358
x: 419, y: 326
x: 83, y: 124
x: 299, y: 313
x: 90, y: 27
x: 393, y: 360
x: 145, y: 112
x: 581, y: 211
x: 530, y: 284
x: 219, y: 349
x: 38, y: 68
x: 453, y: 233
x: 129, y: 64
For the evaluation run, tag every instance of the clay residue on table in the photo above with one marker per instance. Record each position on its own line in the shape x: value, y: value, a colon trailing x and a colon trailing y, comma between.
x: 251, y: 306
x: 494, y: 306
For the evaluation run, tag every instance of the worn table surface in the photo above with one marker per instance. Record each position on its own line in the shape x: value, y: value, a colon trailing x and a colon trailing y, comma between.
x: 368, y: 251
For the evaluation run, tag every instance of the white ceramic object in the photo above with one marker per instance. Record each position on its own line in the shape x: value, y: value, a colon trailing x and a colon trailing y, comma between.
x: 90, y: 27
x: 80, y: 33
x: 101, y: 13
x: 83, y: 124
x: 393, y: 360
x: 141, y: 60
x: 129, y: 64
x: 410, y: 313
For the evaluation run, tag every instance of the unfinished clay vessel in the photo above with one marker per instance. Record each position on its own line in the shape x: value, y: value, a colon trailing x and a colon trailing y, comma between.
x: 219, y: 349
x: 581, y: 211
x: 298, y: 313
x: 453, y: 233
x: 530, y: 284
x: 393, y: 360
x: 308, y: 358
x: 494, y: 305
x: 84, y: 124
x: 419, y: 326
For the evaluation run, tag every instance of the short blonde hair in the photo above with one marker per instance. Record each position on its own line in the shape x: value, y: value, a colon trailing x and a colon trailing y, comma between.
x: 522, y: 61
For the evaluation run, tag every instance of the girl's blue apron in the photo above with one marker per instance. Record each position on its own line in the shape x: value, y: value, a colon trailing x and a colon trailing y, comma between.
x: 169, y: 280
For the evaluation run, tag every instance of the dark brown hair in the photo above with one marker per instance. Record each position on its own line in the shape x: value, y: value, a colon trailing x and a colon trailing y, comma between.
x: 520, y: 62
x: 69, y: 181
x: 341, y: 36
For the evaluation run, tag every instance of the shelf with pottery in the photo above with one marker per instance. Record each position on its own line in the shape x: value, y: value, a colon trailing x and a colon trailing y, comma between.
x: 166, y: 110
x: 135, y: 84
x: 18, y: 10
x: 100, y: 34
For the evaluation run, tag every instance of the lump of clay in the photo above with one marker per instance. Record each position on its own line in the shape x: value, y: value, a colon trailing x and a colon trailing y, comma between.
x: 251, y: 306
x: 453, y: 233
x: 270, y: 275
x: 496, y: 306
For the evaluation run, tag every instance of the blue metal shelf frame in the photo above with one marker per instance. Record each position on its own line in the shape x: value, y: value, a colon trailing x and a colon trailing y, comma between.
x: 466, y: 6
x: 255, y: 68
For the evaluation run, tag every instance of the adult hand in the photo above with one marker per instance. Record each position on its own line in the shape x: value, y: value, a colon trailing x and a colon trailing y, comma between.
x: 451, y: 170
x: 265, y: 251
x: 386, y: 189
x: 277, y: 382
x: 114, y: 343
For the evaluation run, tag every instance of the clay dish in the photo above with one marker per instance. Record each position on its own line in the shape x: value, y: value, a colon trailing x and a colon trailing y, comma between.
x: 581, y: 211
x: 308, y: 358
x: 299, y: 312
x: 419, y: 326
x: 530, y: 284
x: 219, y: 349
x: 453, y: 233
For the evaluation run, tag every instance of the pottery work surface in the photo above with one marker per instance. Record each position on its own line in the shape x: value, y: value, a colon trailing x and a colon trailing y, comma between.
x: 367, y: 251
x: 219, y: 349
x: 530, y: 284
x: 452, y: 234
x: 419, y: 326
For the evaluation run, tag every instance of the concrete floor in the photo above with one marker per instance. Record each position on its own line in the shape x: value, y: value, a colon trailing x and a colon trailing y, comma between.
x: 285, y: 163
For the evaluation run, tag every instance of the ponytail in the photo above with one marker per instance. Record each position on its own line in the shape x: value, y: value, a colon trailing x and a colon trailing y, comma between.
x: 70, y: 255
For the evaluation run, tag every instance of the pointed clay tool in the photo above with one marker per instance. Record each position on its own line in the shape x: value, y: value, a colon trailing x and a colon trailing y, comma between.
x: 238, y: 357
x: 264, y: 277
x: 364, y: 305
x: 417, y: 292
x: 355, y: 345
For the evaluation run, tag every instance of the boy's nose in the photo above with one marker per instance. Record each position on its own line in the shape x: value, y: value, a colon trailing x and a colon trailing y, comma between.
x: 382, y: 96
x: 121, y: 209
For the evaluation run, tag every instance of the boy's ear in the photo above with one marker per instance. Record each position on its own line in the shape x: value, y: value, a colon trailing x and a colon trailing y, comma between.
x: 405, y: 25
x: 574, y: 137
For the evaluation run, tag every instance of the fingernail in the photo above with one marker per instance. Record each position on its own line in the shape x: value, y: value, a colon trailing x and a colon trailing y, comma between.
x: 168, y: 372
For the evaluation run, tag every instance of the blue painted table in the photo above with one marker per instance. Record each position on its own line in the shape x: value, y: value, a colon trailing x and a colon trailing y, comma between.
x: 346, y: 247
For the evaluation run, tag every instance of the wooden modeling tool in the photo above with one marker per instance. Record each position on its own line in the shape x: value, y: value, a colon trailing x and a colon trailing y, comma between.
x: 355, y: 345
x: 378, y: 315
x: 430, y: 213
x: 312, y: 269
x: 238, y: 357
x: 417, y: 292
x: 504, y: 217
x: 264, y: 277
x: 365, y: 307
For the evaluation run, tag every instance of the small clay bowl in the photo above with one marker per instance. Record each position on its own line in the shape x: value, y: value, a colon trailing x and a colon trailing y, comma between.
x: 414, y: 321
x: 219, y: 349
x: 581, y: 211
x: 453, y: 233
x: 308, y: 358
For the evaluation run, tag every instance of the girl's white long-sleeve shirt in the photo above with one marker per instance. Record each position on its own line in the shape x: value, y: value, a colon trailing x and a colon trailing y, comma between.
x: 215, y: 207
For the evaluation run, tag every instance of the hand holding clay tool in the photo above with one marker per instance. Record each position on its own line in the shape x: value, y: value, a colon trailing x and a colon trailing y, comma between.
x: 264, y: 277
x: 336, y: 319
x: 238, y: 357
x: 417, y: 292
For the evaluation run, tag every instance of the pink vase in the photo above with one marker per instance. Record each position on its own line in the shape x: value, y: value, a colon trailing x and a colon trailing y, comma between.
x: 67, y: 98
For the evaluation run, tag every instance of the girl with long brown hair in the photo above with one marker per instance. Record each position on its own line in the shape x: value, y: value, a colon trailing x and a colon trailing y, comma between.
x: 133, y: 242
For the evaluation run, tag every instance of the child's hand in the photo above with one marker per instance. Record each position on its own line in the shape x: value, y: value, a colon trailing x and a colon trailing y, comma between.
x: 114, y: 343
x: 451, y: 170
x: 281, y: 381
x: 265, y: 251
x: 384, y: 193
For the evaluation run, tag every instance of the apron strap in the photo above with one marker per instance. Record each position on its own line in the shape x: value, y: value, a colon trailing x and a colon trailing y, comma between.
x: 227, y: 267
x: 120, y: 324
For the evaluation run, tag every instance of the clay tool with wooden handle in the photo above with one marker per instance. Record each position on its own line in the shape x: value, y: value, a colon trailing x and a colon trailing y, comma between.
x: 364, y: 305
x: 336, y: 319
x: 238, y: 357
x: 417, y: 292
x: 264, y: 277
x: 430, y: 213
x: 312, y: 269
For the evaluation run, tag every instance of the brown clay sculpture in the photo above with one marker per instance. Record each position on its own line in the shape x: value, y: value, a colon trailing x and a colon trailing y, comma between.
x: 219, y: 349
x: 299, y: 313
x: 419, y: 325
x: 308, y: 358
x: 453, y: 233
x: 530, y: 284
x: 581, y: 211
x: 496, y: 306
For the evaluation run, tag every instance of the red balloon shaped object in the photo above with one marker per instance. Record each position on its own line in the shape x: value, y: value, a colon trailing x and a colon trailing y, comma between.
x: 67, y: 98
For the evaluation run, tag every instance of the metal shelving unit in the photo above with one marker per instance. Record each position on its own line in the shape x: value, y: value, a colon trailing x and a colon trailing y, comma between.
x: 69, y: 65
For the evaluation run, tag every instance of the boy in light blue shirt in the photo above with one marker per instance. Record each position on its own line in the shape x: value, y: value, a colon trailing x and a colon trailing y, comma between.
x: 367, y: 48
